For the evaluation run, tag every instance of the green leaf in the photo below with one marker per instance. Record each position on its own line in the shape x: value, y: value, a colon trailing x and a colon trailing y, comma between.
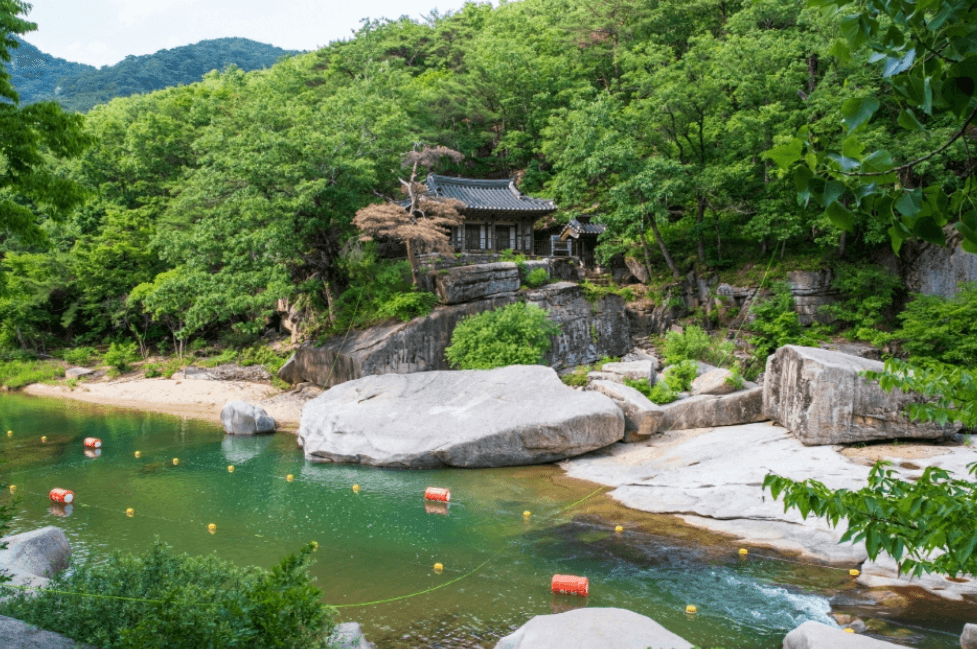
x: 858, y: 111
x: 785, y: 155
x: 832, y: 192
x: 897, y: 65
x: 928, y: 230
x: 907, y: 120
x: 840, y: 216
x: 910, y: 203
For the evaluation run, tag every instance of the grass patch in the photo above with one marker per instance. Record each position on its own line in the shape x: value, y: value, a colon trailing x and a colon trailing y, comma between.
x: 17, y: 374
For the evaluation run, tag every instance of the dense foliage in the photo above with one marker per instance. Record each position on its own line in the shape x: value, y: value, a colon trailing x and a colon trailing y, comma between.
x: 516, y: 334
x: 942, y: 329
x: 77, y: 87
x: 164, y: 600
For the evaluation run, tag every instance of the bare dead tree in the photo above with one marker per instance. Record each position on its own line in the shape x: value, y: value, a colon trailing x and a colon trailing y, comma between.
x: 426, y: 221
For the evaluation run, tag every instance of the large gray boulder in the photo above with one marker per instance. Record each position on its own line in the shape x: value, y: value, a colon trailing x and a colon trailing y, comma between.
x: 642, y: 418
x: 242, y: 418
x: 709, y: 411
x: 968, y: 639
x: 508, y: 416
x: 470, y: 283
x: 589, y: 628
x: 44, y: 552
x: 712, y: 382
x: 15, y: 634
x: 819, y: 396
x: 814, y: 635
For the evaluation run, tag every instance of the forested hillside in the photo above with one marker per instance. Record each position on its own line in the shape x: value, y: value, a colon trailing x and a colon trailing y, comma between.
x: 77, y: 87
x: 208, y: 202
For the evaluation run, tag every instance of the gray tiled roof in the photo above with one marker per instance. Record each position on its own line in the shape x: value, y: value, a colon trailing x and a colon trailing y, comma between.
x: 489, y: 195
x: 578, y: 228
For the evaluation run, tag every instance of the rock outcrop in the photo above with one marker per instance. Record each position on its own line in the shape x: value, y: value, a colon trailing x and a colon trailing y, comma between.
x: 709, y: 411
x: 472, y: 283
x: 814, y: 635
x: 589, y: 628
x: 44, y: 552
x: 242, y: 418
x: 819, y: 396
x: 508, y: 416
x: 642, y: 418
x: 589, y: 332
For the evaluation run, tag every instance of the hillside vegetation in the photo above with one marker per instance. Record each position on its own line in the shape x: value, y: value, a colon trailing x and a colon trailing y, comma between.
x: 209, y: 202
x: 77, y: 87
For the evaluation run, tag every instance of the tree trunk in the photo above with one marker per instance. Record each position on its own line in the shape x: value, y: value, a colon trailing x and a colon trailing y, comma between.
x: 644, y: 246
x: 330, y: 298
x: 700, y: 213
x: 661, y: 244
x: 842, y: 239
x: 412, y: 260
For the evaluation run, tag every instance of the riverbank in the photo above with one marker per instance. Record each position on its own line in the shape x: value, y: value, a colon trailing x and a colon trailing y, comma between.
x: 192, y: 398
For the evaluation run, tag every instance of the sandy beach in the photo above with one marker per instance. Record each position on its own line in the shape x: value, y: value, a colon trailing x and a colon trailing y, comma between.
x: 194, y: 398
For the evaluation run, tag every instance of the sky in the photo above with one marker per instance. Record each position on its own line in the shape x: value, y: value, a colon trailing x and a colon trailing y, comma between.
x: 103, y: 32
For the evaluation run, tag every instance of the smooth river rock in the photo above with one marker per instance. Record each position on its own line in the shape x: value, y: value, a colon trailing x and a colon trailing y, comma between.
x: 508, y: 416
x: 243, y: 418
x: 642, y: 418
x: 44, y: 552
x: 814, y: 635
x: 819, y: 396
x: 590, y: 628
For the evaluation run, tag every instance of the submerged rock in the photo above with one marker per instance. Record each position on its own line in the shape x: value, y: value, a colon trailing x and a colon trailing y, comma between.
x: 349, y: 635
x: 242, y: 418
x: 819, y: 396
x: 508, y: 416
x: 589, y: 628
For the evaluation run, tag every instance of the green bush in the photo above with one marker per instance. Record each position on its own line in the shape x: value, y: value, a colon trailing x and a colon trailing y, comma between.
x: 407, y: 306
x: 537, y: 278
x: 79, y: 355
x: 121, y: 355
x: 776, y: 323
x: 517, y: 334
x: 173, y: 366
x: 679, y: 377
x: 865, y: 294
x: 944, y: 330
x: 576, y: 378
x: 152, y: 370
x: 660, y: 393
x: 735, y: 379
x: 17, y: 374
x: 196, y: 602
x: 697, y: 345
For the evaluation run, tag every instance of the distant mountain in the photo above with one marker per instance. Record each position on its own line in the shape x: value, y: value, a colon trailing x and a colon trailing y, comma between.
x: 77, y: 87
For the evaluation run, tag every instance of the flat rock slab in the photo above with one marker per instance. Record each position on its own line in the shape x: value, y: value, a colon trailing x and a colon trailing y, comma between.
x: 814, y: 635
x: 75, y: 372
x: 883, y: 572
x: 634, y: 370
x: 590, y: 628
x: 15, y: 634
x: 642, y: 418
x: 508, y: 416
x: 819, y: 396
x: 709, y: 411
x: 42, y: 552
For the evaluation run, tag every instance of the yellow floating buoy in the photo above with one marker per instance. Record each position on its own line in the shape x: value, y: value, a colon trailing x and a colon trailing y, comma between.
x: 691, y: 609
x: 130, y: 512
x: 315, y: 546
x: 438, y: 568
x: 43, y: 439
x: 230, y: 468
x: 176, y: 461
x: 356, y: 488
x: 527, y: 514
x: 13, y: 488
x: 138, y: 454
x: 212, y: 528
x: 619, y: 529
x: 289, y: 477
x: 848, y: 630
x: 10, y: 433
x: 744, y: 552
x: 854, y: 572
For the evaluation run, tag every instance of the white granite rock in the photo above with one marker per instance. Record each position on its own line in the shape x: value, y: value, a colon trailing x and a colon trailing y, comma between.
x: 592, y: 628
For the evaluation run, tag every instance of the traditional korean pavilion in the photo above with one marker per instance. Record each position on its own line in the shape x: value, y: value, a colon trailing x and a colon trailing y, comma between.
x: 578, y: 238
x: 497, y: 215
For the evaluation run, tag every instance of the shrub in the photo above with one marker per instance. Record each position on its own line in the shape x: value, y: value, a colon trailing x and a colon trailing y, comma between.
x: 196, y: 602
x: 735, y: 379
x: 517, y: 334
x: 79, y: 355
x: 776, y: 323
x: 576, y: 378
x: 121, y: 355
x: 679, y: 377
x: 152, y: 370
x: 173, y: 366
x: 17, y: 374
x: 941, y: 329
x: 697, y: 345
x: 537, y: 278
x: 660, y: 393
x: 407, y: 306
x: 866, y: 293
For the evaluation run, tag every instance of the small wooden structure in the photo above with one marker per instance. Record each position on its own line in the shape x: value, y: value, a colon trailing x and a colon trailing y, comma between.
x: 578, y: 238
x: 497, y: 215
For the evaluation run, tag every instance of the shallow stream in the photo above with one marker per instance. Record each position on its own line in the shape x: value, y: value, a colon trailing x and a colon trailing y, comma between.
x: 380, y: 543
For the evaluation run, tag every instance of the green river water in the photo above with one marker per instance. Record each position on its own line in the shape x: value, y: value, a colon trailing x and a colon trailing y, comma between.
x: 382, y: 542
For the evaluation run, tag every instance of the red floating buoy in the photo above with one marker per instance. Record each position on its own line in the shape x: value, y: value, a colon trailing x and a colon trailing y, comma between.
x: 570, y: 585
x: 93, y: 442
x: 63, y: 496
x: 437, y: 493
